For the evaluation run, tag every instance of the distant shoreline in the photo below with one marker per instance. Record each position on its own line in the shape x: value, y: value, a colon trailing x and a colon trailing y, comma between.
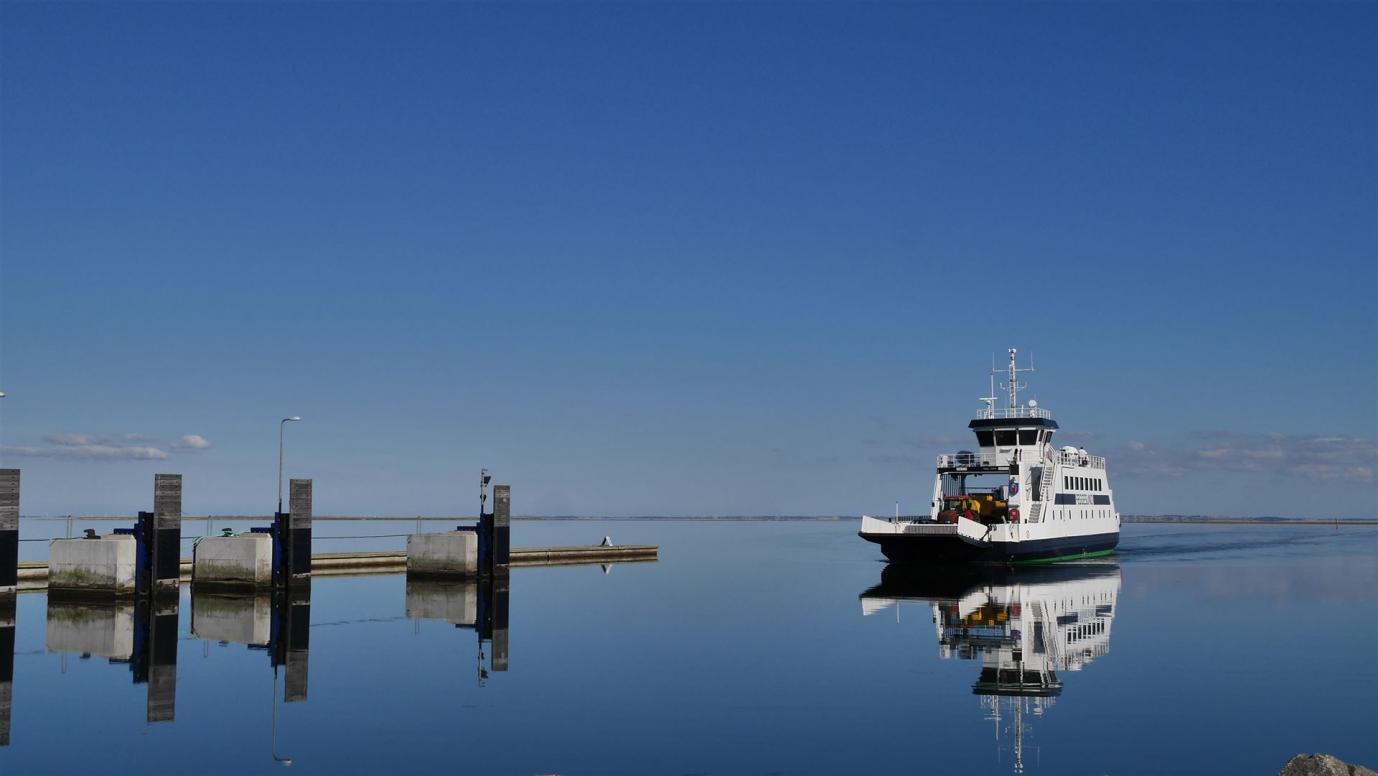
x: 1178, y: 519
x: 1252, y: 520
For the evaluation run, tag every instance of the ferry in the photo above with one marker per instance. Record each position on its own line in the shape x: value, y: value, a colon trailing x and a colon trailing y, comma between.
x: 1017, y: 499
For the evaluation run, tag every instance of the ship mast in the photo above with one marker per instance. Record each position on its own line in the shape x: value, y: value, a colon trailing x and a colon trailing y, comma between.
x: 1012, y: 384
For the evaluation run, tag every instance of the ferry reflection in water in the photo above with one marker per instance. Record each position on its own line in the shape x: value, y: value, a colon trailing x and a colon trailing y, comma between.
x: 139, y: 633
x: 480, y: 605
x: 1024, y: 625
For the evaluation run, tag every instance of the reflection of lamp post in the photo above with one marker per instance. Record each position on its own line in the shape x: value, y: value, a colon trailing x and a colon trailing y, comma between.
x: 286, y: 761
x: 282, y: 426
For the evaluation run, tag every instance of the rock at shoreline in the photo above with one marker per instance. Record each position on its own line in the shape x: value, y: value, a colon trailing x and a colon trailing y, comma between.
x: 1322, y: 765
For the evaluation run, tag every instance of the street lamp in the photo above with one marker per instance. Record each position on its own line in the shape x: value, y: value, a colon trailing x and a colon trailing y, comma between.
x: 282, y: 426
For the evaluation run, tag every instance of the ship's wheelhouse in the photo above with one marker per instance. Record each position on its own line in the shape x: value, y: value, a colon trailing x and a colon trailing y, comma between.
x: 1006, y: 440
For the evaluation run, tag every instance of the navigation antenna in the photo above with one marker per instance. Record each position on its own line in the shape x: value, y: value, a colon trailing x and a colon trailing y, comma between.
x: 1012, y: 383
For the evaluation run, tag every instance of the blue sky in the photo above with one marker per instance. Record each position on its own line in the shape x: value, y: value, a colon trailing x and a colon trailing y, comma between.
x: 684, y: 258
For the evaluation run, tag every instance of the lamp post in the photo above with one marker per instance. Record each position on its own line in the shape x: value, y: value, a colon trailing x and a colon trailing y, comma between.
x: 282, y: 426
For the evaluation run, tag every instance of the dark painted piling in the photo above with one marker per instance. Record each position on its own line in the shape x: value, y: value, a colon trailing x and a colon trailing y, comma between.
x: 299, y: 529
x: 165, y: 551
x: 502, y: 529
x: 9, y: 530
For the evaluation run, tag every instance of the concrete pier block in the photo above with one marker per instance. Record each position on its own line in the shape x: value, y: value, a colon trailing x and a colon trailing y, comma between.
x: 245, y: 619
x: 95, y: 567
x: 91, y: 629
x: 453, y: 602
x: 453, y: 554
x: 244, y: 561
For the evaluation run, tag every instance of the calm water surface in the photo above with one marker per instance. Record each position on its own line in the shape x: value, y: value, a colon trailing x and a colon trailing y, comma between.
x: 767, y: 647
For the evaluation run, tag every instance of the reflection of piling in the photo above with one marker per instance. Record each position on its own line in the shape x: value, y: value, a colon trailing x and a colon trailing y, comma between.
x: 495, y: 621
x: 293, y: 644
x: 6, y: 664
x: 278, y: 622
x: 141, y: 634
x: 158, y: 660
x: 480, y: 604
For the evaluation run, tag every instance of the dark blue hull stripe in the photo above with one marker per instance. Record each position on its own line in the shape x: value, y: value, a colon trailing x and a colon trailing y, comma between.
x: 954, y: 549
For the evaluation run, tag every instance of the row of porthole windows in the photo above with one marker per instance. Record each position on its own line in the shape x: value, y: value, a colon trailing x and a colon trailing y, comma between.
x: 1083, y: 483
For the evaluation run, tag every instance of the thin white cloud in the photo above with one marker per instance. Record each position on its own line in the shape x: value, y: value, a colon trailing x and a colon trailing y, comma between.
x: 1351, y: 459
x: 89, y: 452
x: 192, y: 442
x: 92, y: 447
x: 69, y: 440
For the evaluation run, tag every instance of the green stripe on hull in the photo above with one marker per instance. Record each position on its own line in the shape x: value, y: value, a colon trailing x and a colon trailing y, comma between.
x: 1078, y: 556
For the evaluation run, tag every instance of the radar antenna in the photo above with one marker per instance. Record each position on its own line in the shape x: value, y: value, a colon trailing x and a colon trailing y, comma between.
x: 1012, y: 384
x: 990, y: 400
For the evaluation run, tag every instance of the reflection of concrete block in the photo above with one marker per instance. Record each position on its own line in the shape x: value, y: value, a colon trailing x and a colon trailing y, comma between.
x: 449, y: 601
x: 233, y: 561
x: 106, y: 631
x: 104, y: 565
x: 237, y: 619
x: 453, y: 554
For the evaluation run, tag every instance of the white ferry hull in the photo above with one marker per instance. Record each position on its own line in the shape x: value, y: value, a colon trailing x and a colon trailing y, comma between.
x: 966, y: 541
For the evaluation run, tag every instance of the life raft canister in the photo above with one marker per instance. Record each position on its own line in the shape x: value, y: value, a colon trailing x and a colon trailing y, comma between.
x: 1014, y: 514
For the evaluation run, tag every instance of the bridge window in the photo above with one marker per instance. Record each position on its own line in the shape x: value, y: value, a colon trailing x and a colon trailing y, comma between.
x: 1004, y: 438
x: 985, y: 438
x: 1028, y: 436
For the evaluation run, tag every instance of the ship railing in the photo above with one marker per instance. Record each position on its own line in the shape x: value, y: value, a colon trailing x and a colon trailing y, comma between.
x: 1013, y: 413
x: 991, y: 458
x: 1069, y: 458
x: 965, y: 458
